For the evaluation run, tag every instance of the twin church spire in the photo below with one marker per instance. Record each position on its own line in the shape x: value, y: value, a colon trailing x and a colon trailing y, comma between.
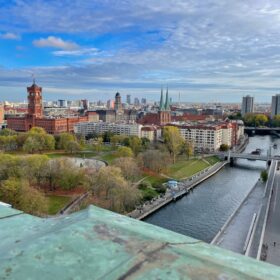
x: 164, y: 106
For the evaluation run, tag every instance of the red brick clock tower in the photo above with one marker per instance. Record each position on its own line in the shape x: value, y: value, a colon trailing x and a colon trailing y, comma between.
x: 35, y: 107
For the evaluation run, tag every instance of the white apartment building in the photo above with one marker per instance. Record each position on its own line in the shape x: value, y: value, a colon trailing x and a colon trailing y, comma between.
x: 207, y: 137
x: 151, y: 132
x: 100, y: 127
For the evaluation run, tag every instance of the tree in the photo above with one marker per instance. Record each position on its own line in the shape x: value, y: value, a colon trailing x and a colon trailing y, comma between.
x: 276, y: 121
x: 145, y: 143
x: 97, y: 145
x: 173, y: 140
x: 37, y: 130
x: 124, y: 152
x: 20, y: 195
x: 67, y: 176
x: 261, y: 120
x: 264, y: 175
x: 35, y: 169
x: 129, y: 168
x: 64, y: 139
x: 38, y: 140
x: 7, y: 132
x: 8, y: 143
x: 135, y: 144
x: 72, y: 147
x: 10, y: 166
x: 32, y: 145
x: 256, y: 120
x: 107, y: 135
x: 154, y: 160
x: 224, y: 147
x: 109, y: 184
x: 187, y: 149
x: 117, y: 139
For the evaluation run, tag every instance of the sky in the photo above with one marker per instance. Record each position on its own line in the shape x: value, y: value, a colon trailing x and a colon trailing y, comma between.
x: 208, y: 50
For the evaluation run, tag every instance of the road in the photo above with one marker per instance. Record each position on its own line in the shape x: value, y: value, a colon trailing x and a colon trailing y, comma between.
x: 272, y: 232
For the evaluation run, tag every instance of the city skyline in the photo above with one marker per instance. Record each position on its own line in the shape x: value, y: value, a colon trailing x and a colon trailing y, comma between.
x: 208, y: 52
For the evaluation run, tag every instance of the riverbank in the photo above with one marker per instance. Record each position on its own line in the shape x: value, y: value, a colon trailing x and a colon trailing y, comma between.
x: 183, y: 188
x: 234, y: 233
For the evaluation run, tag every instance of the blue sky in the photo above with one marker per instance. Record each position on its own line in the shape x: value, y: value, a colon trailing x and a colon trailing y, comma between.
x: 209, y: 50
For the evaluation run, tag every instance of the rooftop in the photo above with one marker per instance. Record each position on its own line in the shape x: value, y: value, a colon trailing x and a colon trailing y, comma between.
x: 99, y: 244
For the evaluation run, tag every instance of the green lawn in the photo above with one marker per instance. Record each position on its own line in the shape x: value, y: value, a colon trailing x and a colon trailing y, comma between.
x: 184, y: 168
x: 56, y: 203
x: 108, y: 157
x: 154, y: 180
x: 212, y: 160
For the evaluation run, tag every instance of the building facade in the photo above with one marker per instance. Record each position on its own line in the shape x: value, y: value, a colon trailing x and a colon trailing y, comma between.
x: 209, y: 137
x: 162, y: 117
x: 36, y: 118
x: 247, y: 105
x: 275, y: 105
x: 99, y: 128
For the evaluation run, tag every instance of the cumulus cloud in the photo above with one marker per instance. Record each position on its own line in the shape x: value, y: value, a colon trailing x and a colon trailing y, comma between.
x: 55, y: 42
x: 198, y: 47
x: 10, y: 36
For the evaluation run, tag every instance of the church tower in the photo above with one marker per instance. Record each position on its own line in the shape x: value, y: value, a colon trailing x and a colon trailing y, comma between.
x: 35, y: 106
x: 164, y: 114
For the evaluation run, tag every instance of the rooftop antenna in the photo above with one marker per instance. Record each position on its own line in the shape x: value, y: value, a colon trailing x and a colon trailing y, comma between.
x: 33, y: 78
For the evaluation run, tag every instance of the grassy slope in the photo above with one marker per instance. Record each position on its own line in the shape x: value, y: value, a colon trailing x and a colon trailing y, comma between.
x: 185, y: 168
x: 56, y: 203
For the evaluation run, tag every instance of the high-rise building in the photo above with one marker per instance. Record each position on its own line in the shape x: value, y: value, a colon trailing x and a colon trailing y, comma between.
x: 144, y: 101
x: 247, y: 105
x: 110, y: 104
x: 275, y: 105
x: 136, y: 101
x: 128, y: 99
x: 118, y: 102
x: 62, y: 103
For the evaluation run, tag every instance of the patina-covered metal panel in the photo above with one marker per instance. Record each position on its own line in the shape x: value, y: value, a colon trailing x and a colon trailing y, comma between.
x: 99, y: 244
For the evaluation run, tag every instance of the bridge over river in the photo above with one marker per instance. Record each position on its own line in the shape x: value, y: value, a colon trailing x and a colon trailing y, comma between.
x: 204, y: 211
x: 263, y: 157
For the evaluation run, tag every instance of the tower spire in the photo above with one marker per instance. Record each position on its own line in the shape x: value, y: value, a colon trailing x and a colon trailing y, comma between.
x: 161, y: 104
x: 167, y: 101
x: 33, y: 78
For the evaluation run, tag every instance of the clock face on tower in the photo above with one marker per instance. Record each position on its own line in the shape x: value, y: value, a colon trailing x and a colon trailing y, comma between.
x: 35, y: 107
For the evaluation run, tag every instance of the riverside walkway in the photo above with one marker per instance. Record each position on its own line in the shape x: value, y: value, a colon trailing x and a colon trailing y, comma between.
x: 234, y: 234
x: 244, y: 230
x: 184, y: 187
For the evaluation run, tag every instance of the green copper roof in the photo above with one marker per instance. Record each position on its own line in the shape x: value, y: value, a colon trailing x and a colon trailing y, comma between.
x: 98, y: 244
x: 161, y: 104
x: 166, y: 106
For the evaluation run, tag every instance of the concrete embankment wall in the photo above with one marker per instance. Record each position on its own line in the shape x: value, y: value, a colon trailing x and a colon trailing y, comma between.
x: 218, y: 167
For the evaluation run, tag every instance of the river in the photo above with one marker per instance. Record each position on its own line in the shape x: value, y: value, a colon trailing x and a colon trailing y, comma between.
x: 204, y: 211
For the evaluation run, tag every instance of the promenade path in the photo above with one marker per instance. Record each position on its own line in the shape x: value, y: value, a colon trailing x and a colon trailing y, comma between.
x: 234, y: 235
x: 272, y: 231
x: 184, y: 187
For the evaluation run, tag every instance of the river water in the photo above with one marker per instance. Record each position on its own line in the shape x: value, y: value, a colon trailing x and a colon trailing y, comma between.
x: 204, y: 211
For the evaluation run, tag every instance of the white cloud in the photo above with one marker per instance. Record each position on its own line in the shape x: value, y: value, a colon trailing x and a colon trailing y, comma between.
x: 55, y: 42
x: 10, y: 36
x: 79, y: 52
